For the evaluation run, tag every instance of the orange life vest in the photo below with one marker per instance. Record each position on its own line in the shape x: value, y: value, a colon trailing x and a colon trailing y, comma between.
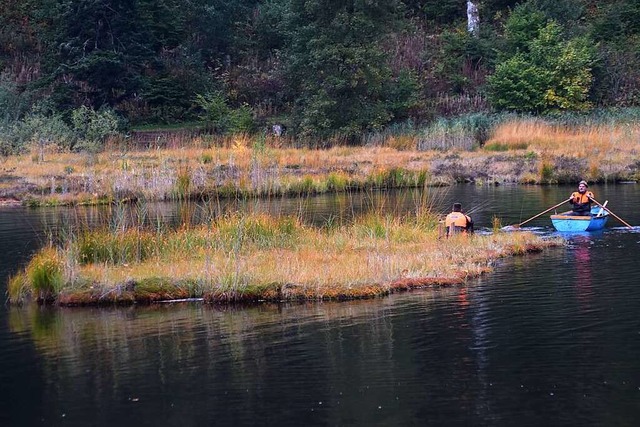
x: 581, y: 198
x: 457, y: 219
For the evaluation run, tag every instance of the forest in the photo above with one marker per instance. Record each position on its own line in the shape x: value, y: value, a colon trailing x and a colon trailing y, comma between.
x: 77, y: 71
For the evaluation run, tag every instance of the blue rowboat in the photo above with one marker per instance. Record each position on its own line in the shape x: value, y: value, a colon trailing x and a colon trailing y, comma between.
x: 565, y: 222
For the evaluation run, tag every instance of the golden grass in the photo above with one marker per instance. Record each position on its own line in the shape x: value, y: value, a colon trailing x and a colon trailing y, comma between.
x: 241, y: 156
x: 259, y: 257
x: 583, y: 141
x: 236, y: 167
x: 536, y: 152
x: 602, y: 152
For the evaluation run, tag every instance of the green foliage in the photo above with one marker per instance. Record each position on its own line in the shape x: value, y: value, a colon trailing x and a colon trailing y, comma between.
x: 440, y: 11
x: 270, y: 26
x: 542, y: 70
x: 571, y: 74
x: 241, y: 120
x: 546, y: 170
x: 39, y: 130
x: 372, y: 226
x: 326, y: 68
x: 44, y: 273
x: 258, y: 231
x: 337, y: 182
x: 461, y: 61
x: 14, y: 103
x: 496, y: 146
x: 403, y: 96
x: 519, y: 85
x: 92, y: 128
x: 337, y: 67
x: 217, y: 113
x: 113, y: 248
x: 566, y: 12
x: 215, y: 109
x: 143, y: 58
x: 206, y: 158
x: 523, y: 25
x: 617, y: 22
x: 18, y: 288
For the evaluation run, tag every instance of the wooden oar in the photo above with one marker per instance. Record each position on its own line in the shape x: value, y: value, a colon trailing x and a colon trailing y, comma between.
x: 542, y: 213
x: 609, y: 210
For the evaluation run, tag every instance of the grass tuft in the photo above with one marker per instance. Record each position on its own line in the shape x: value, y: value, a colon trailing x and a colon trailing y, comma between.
x: 45, y: 274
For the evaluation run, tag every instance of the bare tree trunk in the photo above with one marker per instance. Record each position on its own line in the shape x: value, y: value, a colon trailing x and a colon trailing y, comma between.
x: 473, y: 19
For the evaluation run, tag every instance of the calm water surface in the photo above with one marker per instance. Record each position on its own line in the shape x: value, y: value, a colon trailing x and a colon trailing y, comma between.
x: 549, y: 339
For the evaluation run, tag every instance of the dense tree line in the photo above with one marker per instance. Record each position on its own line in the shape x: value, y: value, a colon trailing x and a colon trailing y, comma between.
x: 321, y: 67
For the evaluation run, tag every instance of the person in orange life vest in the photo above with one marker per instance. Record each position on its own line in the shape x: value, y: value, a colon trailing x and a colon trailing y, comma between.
x: 581, y: 199
x: 458, y: 222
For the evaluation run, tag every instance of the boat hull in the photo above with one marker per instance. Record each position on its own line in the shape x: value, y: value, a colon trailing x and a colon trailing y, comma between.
x: 573, y: 223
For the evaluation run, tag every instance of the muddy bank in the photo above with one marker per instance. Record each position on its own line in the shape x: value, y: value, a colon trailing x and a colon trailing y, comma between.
x: 137, y: 293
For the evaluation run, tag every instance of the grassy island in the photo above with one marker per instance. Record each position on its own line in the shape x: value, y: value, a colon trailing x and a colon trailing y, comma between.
x: 253, y: 257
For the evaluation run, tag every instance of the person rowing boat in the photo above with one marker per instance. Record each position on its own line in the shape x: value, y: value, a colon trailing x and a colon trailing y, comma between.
x: 581, y: 200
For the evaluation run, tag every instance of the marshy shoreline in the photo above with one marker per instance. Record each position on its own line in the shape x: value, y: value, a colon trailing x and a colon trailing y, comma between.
x: 191, y: 174
x: 249, y: 257
x: 517, y: 152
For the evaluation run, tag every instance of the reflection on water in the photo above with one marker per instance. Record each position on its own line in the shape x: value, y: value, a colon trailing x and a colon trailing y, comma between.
x: 545, y: 339
x: 332, y: 362
x: 581, y: 245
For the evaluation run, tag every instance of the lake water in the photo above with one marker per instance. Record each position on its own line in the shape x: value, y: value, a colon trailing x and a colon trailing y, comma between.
x: 546, y: 339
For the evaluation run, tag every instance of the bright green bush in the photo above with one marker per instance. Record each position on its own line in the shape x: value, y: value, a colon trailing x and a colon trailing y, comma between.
x: 542, y: 69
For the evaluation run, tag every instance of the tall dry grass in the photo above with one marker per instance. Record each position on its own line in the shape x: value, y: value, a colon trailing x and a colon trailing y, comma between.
x: 258, y: 256
x: 580, y: 141
x: 444, y: 152
x: 240, y: 167
x: 597, y: 152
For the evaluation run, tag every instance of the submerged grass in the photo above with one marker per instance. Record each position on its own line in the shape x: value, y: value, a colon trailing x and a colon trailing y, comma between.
x: 254, y: 256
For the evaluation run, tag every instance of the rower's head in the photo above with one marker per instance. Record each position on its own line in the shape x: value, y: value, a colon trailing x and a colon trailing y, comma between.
x: 582, y: 186
x: 457, y: 207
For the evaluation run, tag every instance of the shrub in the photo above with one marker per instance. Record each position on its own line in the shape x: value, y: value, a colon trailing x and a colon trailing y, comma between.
x: 241, y: 120
x: 92, y: 128
x: 215, y: 110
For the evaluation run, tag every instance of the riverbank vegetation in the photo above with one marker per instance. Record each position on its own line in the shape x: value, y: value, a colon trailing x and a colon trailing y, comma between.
x: 252, y: 257
x: 517, y: 149
x: 117, y: 101
x: 319, y: 71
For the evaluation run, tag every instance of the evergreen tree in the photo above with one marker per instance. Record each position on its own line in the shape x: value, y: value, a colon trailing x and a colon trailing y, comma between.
x: 136, y: 56
x: 338, y: 71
